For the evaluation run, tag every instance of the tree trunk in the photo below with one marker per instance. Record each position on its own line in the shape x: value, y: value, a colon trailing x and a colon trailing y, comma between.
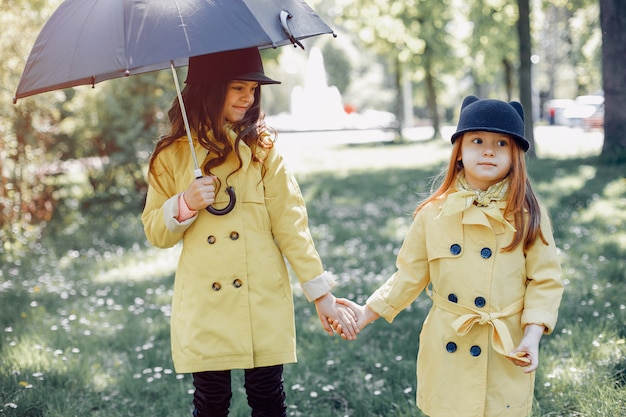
x: 508, y: 78
x: 399, y: 138
x: 612, y: 20
x: 525, y: 86
x: 431, y: 95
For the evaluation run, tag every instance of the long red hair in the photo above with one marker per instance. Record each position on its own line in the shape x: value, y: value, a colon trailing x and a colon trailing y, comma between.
x: 521, y: 197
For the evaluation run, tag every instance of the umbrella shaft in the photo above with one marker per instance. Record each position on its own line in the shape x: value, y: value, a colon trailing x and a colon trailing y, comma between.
x: 197, y: 171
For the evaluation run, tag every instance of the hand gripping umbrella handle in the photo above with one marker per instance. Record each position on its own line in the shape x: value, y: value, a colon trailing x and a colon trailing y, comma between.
x: 197, y: 171
x: 229, y: 207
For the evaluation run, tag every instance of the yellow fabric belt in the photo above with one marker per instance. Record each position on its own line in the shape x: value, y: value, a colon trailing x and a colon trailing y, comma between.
x: 468, y: 317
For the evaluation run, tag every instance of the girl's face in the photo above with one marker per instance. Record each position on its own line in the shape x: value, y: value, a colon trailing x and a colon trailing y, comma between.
x: 239, y: 98
x: 487, y: 158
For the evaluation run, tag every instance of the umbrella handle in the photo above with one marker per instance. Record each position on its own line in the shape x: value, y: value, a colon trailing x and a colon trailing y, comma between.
x: 229, y: 207
x: 284, y: 15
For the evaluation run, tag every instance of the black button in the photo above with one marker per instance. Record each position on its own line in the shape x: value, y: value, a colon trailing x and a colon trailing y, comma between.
x: 485, y: 253
x: 237, y: 283
x: 451, y: 347
x: 475, y: 350
x: 211, y: 239
x: 452, y: 298
x: 479, y: 302
x: 455, y: 249
x: 216, y: 286
x: 234, y: 235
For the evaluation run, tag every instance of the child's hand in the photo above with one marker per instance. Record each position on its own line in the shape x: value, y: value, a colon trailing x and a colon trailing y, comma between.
x: 200, y: 194
x: 364, y: 316
x: 528, y: 349
x: 329, y: 311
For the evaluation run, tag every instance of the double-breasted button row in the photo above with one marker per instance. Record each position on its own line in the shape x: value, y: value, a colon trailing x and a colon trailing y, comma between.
x: 455, y: 249
x: 212, y: 239
x: 475, y: 350
x: 216, y: 286
x: 479, y: 302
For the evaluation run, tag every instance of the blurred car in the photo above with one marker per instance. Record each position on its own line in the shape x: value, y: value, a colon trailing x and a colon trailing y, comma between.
x: 595, y: 121
x: 553, y: 109
x: 587, y: 112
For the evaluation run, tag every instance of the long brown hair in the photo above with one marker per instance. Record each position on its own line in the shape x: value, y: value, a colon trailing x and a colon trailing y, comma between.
x: 521, y: 196
x: 204, y: 105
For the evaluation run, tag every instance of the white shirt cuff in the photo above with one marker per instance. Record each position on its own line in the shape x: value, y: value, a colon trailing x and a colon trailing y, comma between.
x: 318, y: 286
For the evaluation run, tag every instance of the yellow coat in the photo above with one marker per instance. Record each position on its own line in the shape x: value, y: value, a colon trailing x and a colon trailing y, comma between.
x: 477, y: 291
x: 232, y: 305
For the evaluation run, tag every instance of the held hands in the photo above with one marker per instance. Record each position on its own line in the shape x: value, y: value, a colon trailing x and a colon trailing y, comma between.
x: 200, y: 194
x: 330, y: 311
x: 363, y: 314
x: 528, y: 349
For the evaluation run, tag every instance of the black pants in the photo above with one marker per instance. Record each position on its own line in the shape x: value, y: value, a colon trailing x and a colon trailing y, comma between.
x: 264, y: 388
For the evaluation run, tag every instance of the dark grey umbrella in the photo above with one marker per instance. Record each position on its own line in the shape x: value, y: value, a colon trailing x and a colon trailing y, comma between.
x: 88, y: 41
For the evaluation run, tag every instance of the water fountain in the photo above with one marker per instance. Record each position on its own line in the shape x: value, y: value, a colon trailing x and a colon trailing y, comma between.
x: 315, y: 105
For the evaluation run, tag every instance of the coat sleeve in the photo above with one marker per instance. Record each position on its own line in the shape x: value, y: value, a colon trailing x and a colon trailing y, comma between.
x: 160, y: 213
x: 545, y: 287
x: 290, y: 227
x: 411, y: 276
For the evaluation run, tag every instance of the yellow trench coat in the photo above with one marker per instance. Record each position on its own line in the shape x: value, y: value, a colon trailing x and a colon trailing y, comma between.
x: 457, y: 260
x: 232, y: 306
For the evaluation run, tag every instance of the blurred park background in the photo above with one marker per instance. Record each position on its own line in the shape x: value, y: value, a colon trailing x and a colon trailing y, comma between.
x: 364, y: 121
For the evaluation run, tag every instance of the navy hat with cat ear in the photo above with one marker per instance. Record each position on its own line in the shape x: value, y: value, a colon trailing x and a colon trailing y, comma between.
x: 492, y: 116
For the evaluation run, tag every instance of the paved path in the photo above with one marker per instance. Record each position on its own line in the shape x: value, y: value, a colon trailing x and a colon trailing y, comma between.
x: 343, y: 151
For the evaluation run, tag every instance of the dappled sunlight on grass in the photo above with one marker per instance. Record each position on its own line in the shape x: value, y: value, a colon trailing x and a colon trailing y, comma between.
x: 148, y: 264
x: 92, y: 323
x: 584, y: 372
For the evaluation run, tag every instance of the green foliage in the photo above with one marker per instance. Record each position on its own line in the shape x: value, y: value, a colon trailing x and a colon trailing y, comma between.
x: 25, y: 189
x: 84, y: 328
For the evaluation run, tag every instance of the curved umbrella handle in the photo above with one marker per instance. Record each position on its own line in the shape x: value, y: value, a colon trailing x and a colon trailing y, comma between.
x: 229, y: 207
x: 284, y: 15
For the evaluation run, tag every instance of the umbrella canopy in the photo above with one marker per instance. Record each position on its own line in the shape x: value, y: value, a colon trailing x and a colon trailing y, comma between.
x: 88, y: 41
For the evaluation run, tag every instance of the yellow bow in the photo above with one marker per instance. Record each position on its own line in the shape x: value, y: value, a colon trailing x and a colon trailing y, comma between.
x: 488, y: 201
x: 468, y: 317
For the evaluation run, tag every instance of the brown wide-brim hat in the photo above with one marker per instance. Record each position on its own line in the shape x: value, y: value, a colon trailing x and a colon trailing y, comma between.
x: 238, y: 64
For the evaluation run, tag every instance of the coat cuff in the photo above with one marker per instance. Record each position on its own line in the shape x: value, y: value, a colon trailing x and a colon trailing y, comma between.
x: 171, y: 213
x: 318, y: 286
x: 379, y: 306
x: 540, y: 317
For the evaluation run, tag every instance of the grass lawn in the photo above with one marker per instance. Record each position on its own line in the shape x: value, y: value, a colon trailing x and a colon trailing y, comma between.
x: 84, y: 319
